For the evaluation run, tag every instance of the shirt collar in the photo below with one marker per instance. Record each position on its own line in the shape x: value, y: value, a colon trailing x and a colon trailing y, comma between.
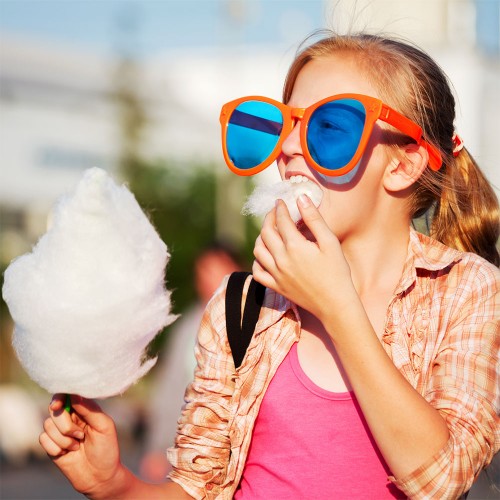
x: 423, y: 253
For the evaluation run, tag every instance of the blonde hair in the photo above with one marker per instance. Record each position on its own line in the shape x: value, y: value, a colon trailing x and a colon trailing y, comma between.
x: 464, y: 205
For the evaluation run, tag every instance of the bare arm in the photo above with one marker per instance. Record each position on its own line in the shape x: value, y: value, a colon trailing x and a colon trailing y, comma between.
x: 84, y: 446
x: 135, y: 488
x: 407, y: 429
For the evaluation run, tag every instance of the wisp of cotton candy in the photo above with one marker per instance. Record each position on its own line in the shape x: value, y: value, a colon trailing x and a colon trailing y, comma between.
x: 91, y: 295
x: 264, y: 197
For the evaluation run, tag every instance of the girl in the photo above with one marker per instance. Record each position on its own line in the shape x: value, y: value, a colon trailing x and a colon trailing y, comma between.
x: 372, y: 370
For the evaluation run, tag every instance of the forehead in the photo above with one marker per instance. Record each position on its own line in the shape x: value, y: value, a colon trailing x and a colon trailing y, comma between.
x: 327, y: 76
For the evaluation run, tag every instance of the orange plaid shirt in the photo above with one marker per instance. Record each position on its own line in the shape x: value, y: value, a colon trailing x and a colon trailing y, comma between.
x: 442, y: 332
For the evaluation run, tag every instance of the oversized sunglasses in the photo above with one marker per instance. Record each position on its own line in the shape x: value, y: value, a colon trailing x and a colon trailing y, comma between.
x: 333, y: 135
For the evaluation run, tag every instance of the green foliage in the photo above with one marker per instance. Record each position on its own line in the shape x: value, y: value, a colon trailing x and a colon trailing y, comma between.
x: 182, y: 211
x: 180, y: 201
x: 180, y: 198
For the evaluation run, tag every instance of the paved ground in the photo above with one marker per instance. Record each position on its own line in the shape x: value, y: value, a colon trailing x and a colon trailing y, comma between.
x: 40, y: 480
x: 36, y: 481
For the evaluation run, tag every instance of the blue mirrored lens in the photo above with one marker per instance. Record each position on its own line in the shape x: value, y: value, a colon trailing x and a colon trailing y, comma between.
x: 334, y: 132
x: 252, y: 133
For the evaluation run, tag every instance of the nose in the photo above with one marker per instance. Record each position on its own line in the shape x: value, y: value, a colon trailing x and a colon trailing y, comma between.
x: 291, y: 145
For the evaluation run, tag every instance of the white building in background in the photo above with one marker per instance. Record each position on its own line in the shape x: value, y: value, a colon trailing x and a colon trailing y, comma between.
x: 58, y: 116
x: 55, y: 119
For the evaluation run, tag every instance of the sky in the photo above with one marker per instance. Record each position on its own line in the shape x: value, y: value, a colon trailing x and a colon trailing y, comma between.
x: 146, y: 27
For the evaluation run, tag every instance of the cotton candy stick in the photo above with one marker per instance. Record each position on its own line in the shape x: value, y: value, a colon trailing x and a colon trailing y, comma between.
x: 91, y: 295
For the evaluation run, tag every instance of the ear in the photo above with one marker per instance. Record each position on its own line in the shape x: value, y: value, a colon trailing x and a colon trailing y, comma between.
x: 404, y: 171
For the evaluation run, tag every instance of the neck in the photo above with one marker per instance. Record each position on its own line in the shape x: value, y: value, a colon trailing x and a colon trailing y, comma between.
x: 377, y: 256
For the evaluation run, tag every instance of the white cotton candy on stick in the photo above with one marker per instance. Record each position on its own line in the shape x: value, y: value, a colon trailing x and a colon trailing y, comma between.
x: 91, y: 296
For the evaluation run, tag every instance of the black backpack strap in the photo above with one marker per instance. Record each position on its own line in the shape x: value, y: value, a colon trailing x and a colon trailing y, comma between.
x: 239, y: 333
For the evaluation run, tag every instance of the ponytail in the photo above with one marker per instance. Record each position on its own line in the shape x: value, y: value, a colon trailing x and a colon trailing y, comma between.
x: 466, y: 216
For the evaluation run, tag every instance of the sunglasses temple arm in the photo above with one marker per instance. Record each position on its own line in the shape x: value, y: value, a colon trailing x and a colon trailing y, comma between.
x: 435, y: 159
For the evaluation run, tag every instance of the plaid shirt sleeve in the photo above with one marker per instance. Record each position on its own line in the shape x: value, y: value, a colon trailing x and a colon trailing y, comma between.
x: 463, y: 385
x: 202, y: 446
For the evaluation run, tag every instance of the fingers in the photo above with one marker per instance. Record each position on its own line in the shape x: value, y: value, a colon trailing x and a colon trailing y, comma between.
x: 285, y: 226
x: 65, y: 421
x: 91, y: 413
x: 262, y: 276
x: 57, y: 403
x: 63, y: 430
x: 314, y: 220
x: 270, y: 247
x: 278, y: 229
x: 280, y: 245
x: 268, y: 244
x: 55, y: 442
x: 263, y: 255
x: 51, y: 447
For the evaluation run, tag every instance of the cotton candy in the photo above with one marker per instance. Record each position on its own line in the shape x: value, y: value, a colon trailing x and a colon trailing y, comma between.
x: 263, y: 198
x: 91, y: 295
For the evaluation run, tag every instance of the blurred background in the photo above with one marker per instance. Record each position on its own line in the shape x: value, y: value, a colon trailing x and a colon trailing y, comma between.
x: 135, y: 87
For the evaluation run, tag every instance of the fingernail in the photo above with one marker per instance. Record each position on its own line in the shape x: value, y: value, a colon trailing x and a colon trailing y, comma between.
x: 304, y: 200
x: 78, y: 434
x: 74, y: 447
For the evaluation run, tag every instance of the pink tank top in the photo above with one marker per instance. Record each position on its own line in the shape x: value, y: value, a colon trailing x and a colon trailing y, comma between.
x: 311, y: 443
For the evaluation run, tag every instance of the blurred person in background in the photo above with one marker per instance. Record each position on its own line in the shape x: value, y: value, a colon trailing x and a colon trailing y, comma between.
x: 373, y: 368
x: 176, y: 367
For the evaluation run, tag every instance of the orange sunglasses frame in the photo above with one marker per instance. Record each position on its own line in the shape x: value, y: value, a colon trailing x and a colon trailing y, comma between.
x: 375, y: 110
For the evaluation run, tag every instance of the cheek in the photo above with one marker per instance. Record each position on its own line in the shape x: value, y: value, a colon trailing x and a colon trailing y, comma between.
x: 280, y: 162
x: 341, y: 179
x: 331, y: 209
x: 371, y: 166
